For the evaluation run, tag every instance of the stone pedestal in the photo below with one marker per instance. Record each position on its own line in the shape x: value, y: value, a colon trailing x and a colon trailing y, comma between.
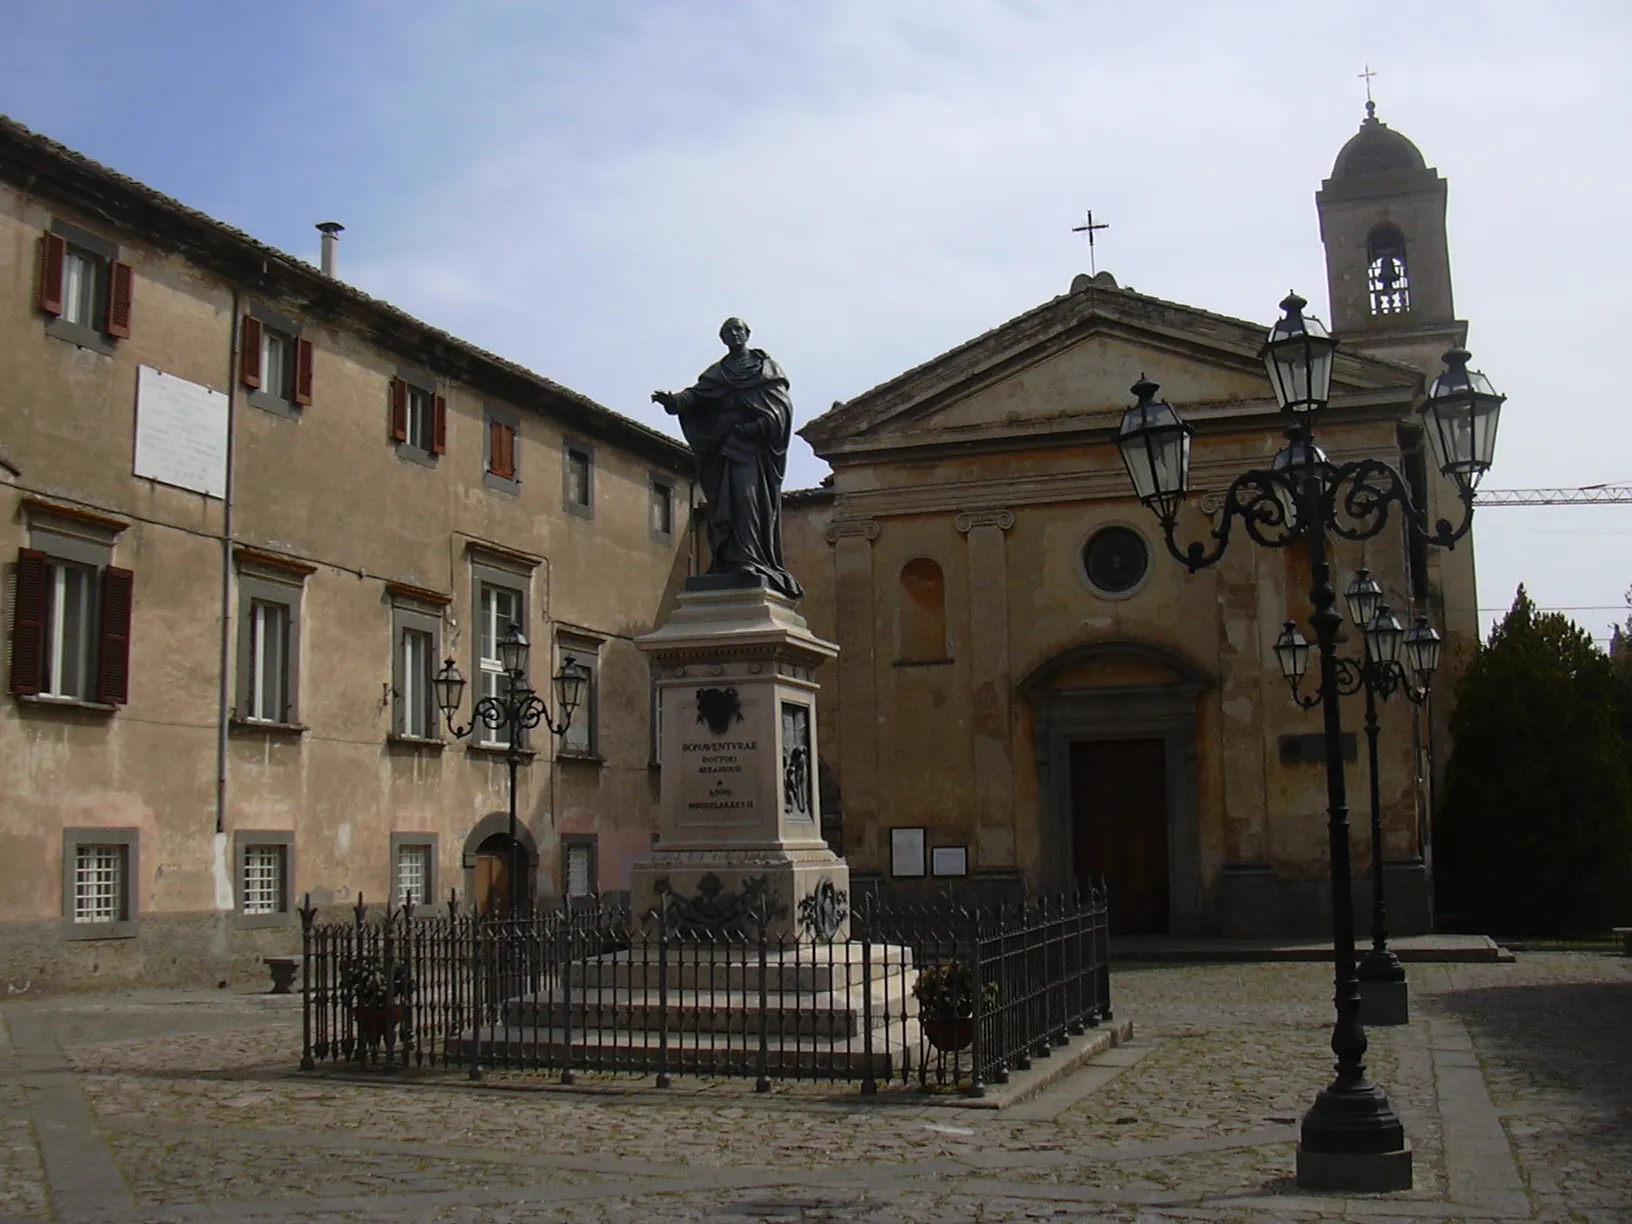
x: 739, y: 812
x: 1384, y: 1003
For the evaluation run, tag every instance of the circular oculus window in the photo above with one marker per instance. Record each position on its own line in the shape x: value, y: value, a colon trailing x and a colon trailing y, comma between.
x: 1115, y: 560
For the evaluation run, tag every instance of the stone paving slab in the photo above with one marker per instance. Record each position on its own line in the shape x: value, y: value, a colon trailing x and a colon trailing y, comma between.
x: 1512, y: 1083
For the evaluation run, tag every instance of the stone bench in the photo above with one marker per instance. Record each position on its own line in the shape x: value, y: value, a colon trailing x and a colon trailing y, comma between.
x: 284, y: 969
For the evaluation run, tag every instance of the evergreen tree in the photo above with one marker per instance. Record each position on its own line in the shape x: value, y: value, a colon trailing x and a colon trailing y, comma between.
x: 1535, y: 827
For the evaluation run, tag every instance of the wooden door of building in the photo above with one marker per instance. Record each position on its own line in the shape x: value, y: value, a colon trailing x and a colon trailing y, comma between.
x: 491, y: 882
x: 1119, y: 828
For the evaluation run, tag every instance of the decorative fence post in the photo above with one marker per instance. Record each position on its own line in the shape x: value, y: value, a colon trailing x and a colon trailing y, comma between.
x: 869, y: 1080
x: 762, y: 918
x: 977, y: 1039
x: 662, y: 915
x: 306, y: 914
x: 1102, y: 925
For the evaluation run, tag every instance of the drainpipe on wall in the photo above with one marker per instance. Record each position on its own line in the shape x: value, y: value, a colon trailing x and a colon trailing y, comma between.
x: 221, y: 872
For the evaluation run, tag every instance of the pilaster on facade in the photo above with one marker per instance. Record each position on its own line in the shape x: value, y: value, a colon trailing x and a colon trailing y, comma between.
x: 986, y: 530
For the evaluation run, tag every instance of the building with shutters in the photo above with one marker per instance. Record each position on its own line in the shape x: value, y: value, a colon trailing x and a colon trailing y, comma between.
x: 245, y: 511
x: 1032, y: 693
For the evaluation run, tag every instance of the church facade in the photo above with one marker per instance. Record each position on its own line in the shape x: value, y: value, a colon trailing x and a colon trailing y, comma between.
x: 1032, y: 693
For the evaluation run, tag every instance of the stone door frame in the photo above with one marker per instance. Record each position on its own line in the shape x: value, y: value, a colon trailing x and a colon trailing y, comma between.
x: 1149, y: 711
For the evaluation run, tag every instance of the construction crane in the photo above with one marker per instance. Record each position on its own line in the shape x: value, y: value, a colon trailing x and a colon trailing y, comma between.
x: 1589, y: 495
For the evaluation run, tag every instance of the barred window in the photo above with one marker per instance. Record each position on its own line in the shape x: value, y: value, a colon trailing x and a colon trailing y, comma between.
x: 263, y: 879
x: 413, y: 874
x: 99, y: 884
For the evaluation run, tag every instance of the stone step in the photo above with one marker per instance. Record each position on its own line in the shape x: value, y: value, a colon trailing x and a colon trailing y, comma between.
x: 705, y: 1054
x: 803, y: 971
x: 829, y: 1015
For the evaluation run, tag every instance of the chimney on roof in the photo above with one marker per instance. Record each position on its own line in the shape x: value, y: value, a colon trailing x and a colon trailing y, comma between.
x: 331, y: 244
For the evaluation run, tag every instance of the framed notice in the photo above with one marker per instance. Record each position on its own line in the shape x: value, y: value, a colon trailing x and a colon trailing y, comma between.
x: 949, y: 861
x: 907, y: 852
x: 181, y: 433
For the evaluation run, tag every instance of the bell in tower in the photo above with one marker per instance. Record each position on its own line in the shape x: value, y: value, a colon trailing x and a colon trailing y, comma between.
x: 1388, y: 264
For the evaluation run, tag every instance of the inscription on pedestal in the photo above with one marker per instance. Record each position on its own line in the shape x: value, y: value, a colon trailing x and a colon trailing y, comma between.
x: 714, y: 777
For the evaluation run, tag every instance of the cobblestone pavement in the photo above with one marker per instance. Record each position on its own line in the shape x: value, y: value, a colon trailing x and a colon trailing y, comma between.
x: 1512, y: 1081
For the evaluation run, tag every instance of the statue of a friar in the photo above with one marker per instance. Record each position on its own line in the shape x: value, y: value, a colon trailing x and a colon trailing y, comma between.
x: 737, y: 420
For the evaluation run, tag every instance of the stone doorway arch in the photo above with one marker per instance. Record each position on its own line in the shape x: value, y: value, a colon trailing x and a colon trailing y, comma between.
x: 1089, y: 700
x: 490, y: 879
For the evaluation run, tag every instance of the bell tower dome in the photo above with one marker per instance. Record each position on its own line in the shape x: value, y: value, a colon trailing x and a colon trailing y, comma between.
x: 1388, y: 263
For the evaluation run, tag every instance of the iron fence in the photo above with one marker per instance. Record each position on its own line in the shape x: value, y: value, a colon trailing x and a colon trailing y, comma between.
x: 958, y: 997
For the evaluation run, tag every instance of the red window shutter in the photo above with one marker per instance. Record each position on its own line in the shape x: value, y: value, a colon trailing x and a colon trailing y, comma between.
x: 53, y: 253
x: 399, y: 410
x: 121, y: 286
x: 439, y: 427
x: 497, y: 461
x: 113, y: 670
x: 28, y: 628
x: 303, y: 371
x: 509, y: 451
x: 249, y: 353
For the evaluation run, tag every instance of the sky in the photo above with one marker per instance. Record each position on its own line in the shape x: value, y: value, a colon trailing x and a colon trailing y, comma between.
x: 589, y: 187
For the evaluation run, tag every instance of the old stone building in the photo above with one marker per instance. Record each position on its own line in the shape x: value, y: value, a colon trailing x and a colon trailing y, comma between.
x: 245, y: 510
x: 1031, y: 690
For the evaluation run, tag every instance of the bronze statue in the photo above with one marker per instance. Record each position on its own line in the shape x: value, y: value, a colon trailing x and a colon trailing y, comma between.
x: 738, y: 419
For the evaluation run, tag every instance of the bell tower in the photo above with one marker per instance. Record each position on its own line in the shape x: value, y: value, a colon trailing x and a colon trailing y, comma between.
x: 1388, y: 263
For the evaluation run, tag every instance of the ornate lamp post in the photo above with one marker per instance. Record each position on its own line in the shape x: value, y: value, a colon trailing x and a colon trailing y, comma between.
x: 515, y: 709
x: 1380, y: 673
x: 1351, y: 1139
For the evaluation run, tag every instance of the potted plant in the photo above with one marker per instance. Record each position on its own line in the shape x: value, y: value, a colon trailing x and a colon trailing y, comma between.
x: 379, y: 999
x: 946, y: 1004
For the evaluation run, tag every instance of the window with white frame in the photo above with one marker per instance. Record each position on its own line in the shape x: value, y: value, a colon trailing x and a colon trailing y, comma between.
x: 84, y: 279
x: 71, y: 619
x: 277, y: 364
x: 264, y: 873
x: 417, y: 663
x: 498, y: 607
x: 421, y: 419
x: 580, y: 739
x: 69, y: 659
x: 269, y: 641
x: 579, y: 869
x: 413, y: 874
x: 269, y: 661
x: 100, y: 883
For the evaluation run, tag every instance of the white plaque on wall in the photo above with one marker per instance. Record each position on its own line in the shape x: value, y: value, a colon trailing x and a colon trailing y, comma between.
x: 181, y: 433
x: 907, y: 852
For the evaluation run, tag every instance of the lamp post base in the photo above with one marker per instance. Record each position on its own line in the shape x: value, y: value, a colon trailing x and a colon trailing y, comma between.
x: 1355, y: 1172
x: 1352, y: 1140
x: 1384, y: 1003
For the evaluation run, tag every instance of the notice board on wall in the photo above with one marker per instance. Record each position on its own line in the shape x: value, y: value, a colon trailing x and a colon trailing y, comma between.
x: 181, y: 433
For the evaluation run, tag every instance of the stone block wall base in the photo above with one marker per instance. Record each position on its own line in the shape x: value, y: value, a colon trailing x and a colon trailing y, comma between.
x: 1355, y: 1172
x: 1384, y: 1003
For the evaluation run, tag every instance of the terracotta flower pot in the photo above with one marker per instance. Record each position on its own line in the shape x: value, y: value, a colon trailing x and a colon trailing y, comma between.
x: 949, y: 1034
x: 375, y: 1020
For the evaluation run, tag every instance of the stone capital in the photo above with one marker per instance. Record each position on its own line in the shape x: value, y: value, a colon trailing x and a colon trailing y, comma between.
x: 866, y: 528
x: 1002, y: 518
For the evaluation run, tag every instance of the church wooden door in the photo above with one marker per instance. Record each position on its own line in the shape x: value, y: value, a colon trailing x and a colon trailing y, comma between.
x: 492, y: 877
x: 1119, y: 828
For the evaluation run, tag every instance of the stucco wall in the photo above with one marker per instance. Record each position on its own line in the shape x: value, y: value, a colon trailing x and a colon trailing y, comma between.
x: 329, y: 492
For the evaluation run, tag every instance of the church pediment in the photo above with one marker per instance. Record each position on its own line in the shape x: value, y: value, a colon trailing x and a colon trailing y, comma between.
x: 1067, y: 365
